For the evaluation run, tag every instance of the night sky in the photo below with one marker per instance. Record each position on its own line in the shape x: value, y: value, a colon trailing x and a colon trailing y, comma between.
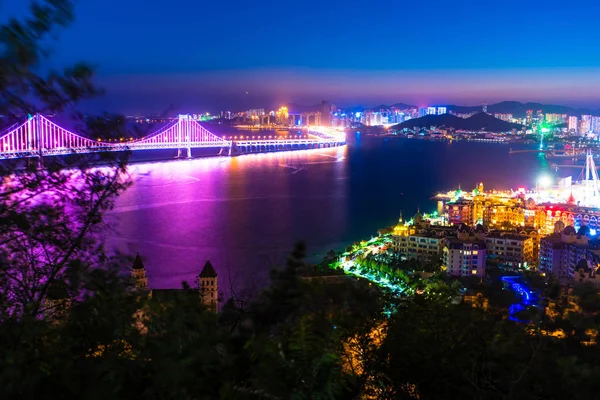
x: 205, y: 55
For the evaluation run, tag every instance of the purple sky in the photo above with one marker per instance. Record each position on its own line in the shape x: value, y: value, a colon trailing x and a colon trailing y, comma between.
x: 248, y: 88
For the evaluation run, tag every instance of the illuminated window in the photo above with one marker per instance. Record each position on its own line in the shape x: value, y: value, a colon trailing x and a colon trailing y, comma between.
x: 474, y: 272
x: 475, y: 252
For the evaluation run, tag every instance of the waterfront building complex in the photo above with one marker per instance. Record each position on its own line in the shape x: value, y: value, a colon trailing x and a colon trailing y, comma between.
x: 420, y: 239
x: 574, y: 204
x: 463, y: 250
x: 552, y: 227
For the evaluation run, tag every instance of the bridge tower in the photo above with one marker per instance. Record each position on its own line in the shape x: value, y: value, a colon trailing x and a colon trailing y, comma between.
x: 184, y: 134
x: 38, y: 138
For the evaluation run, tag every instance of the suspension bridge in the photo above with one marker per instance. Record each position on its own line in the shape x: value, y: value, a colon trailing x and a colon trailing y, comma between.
x: 40, y: 137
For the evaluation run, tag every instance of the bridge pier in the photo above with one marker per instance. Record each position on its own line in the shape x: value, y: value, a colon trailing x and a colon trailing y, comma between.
x: 234, y: 150
x: 189, y: 152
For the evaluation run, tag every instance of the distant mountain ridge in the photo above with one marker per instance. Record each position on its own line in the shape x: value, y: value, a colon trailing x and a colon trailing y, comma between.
x: 401, y: 106
x: 478, y: 122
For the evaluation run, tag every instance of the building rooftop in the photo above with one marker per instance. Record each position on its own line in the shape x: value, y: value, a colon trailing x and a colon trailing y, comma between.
x: 208, y: 271
x: 426, y: 234
x: 508, y: 236
x: 137, y: 263
x: 455, y: 243
x: 558, y: 241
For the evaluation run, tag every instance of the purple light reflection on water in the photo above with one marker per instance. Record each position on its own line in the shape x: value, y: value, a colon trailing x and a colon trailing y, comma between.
x: 242, y: 213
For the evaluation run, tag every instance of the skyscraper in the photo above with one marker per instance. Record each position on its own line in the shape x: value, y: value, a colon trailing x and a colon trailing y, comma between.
x: 586, y: 124
x: 573, y: 128
x: 540, y: 115
x: 596, y: 124
x: 441, y: 110
x: 529, y: 119
x: 431, y: 110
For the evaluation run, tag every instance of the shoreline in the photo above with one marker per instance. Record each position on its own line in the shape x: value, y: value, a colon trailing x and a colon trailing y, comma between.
x: 449, y: 140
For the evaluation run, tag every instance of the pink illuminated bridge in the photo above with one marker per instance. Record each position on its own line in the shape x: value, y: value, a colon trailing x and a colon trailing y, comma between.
x: 40, y: 137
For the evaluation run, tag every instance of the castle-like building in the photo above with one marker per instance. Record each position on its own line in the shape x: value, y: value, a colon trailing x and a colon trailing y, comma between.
x: 207, y: 291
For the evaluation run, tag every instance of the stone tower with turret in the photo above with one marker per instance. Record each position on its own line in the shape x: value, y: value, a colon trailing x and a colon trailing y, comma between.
x: 138, y: 273
x: 208, y: 286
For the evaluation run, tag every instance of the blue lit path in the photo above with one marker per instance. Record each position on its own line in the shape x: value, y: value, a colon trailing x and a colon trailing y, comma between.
x: 528, y: 298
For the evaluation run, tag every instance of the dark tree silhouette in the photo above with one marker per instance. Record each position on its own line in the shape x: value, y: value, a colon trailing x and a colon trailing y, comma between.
x: 49, y: 217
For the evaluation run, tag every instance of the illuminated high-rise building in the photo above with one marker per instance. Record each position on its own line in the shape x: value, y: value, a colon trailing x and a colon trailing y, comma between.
x: 373, y: 118
x: 431, y: 110
x: 484, y: 108
x: 586, y: 124
x: 255, y: 113
x: 441, y: 110
x: 596, y: 124
x: 529, y: 119
x: 422, y: 111
x: 556, y: 118
x: 399, y: 117
x: 573, y: 128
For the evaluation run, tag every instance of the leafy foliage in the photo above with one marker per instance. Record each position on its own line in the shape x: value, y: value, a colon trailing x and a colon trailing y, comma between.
x: 49, y: 217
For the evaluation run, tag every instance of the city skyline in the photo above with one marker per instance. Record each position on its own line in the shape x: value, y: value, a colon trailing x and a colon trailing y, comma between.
x: 198, y: 55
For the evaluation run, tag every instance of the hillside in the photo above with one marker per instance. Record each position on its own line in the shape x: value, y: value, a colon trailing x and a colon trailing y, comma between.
x: 478, y: 122
x: 401, y: 106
